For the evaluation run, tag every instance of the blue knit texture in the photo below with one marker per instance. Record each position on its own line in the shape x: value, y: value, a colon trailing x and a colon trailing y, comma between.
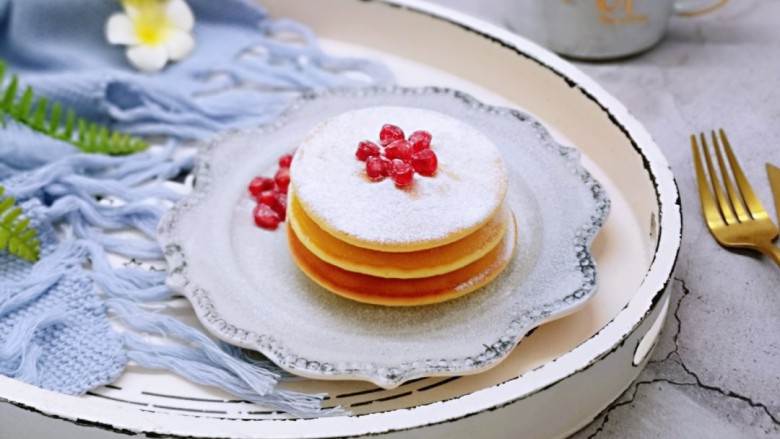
x: 60, y: 329
x: 54, y: 327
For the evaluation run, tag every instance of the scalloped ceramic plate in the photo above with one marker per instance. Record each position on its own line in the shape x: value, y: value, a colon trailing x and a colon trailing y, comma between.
x: 247, y: 290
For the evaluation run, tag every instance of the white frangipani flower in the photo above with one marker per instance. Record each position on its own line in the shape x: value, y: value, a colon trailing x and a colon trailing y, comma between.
x: 154, y: 32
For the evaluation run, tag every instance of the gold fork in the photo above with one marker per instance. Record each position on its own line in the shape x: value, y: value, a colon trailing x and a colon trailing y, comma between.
x: 736, y: 218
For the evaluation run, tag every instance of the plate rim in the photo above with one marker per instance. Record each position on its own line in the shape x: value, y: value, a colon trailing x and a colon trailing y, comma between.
x: 183, y: 279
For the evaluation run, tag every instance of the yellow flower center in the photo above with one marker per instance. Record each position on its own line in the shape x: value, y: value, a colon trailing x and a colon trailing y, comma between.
x: 149, y: 19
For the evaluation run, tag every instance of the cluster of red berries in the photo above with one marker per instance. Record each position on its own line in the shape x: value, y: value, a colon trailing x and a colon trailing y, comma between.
x: 271, y: 195
x: 400, y: 157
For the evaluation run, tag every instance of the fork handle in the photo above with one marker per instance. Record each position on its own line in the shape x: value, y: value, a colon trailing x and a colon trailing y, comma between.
x: 770, y: 250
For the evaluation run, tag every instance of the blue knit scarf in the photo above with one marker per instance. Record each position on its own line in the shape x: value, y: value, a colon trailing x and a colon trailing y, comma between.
x: 54, y: 314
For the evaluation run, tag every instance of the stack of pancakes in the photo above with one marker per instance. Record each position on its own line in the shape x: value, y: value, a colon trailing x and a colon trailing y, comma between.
x: 442, y: 237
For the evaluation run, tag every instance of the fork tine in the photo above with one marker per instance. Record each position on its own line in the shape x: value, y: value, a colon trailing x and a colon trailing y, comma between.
x: 710, y: 210
x: 736, y: 201
x: 723, y: 202
x: 754, y: 206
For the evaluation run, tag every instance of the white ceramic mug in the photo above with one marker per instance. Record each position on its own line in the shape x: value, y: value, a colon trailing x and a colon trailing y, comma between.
x: 599, y: 29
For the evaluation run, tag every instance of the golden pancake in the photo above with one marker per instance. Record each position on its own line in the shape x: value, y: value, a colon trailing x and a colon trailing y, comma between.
x: 404, y: 292
x: 416, y: 264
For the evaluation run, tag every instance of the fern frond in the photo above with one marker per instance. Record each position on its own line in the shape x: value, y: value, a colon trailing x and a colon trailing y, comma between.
x: 16, y: 235
x: 36, y: 113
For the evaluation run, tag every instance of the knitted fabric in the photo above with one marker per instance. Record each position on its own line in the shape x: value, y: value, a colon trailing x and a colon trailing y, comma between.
x: 60, y: 327
x: 54, y: 327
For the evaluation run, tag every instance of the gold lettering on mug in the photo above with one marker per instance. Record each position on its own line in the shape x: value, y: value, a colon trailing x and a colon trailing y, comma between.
x: 618, y: 12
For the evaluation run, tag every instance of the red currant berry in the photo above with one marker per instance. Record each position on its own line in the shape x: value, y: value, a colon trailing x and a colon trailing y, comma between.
x: 285, y: 160
x: 402, y: 173
x: 269, y: 197
x: 280, y: 207
x: 377, y: 168
x: 265, y: 217
x: 420, y: 140
x: 399, y: 149
x: 388, y: 170
x: 425, y: 162
x: 260, y: 184
x: 282, y: 179
x: 389, y: 134
x: 366, y: 149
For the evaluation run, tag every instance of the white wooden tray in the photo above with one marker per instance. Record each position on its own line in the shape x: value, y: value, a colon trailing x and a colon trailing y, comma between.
x: 557, y: 379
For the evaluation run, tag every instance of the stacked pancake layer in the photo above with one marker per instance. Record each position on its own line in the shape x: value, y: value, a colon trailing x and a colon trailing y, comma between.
x: 440, y: 238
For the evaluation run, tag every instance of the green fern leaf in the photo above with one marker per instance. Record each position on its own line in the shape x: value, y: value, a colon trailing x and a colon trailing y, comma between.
x: 21, y: 111
x: 38, y: 120
x: 10, y: 217
x: 21, y: 227
x: 54, y: 118
x: 5, y: 236
x: 42, y: 117
x: 10, y: 93
x: 16, y: 235
x: 5, y: 203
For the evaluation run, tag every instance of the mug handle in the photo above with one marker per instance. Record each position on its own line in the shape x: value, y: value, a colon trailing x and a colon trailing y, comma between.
x: 692, y: 7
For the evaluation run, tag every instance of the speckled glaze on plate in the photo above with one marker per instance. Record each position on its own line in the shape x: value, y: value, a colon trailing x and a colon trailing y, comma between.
x: 246, y: 289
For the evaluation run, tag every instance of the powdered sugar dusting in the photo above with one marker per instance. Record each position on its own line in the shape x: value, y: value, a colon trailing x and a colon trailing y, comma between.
x: 468, y: 187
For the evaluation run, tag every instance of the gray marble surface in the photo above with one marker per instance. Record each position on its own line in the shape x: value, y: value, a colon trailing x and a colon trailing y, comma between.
x: 716, y: 371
